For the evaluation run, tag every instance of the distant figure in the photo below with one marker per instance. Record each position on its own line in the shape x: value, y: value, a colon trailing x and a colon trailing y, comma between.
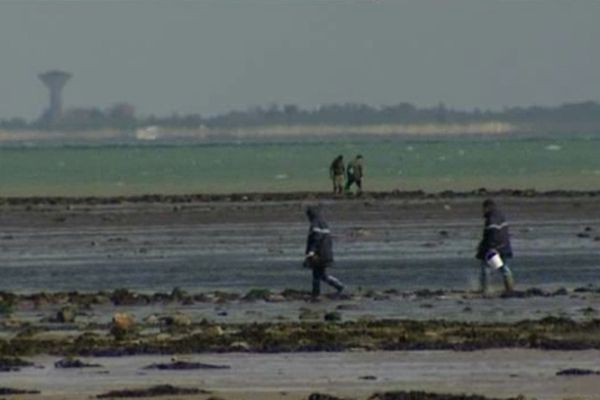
x: 355, y: 174
x: 319, y: 252
x: 336, y: 173
x: 495, y: 241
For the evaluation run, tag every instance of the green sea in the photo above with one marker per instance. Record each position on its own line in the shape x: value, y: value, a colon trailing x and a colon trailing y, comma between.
x: 254, y: 166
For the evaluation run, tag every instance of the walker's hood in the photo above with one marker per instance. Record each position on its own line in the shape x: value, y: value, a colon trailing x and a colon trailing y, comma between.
x: 314, y: 216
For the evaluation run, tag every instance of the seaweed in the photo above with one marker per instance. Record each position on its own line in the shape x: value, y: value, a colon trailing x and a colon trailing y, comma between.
x: 419, y: 395
x: 6, y: 391
x: 576, y: 372
x: 154, y: 391
x: 185, y: 365
x: 74, y: 363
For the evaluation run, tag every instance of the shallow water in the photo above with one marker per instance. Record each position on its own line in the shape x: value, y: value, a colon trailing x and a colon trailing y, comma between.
x: 449, y: 164
x: 240, y: 256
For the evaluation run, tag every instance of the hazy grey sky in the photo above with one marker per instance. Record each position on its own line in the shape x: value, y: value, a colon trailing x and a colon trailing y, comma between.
x: 210, y: 56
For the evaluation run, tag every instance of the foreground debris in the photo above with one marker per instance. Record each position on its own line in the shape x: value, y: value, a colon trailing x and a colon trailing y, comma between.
x: 413, y: 395
x: 432, y: 396
x: 185, y: 365
x: 74, y: 363
x: 577, y: 372
x: 6, y: 391
x: 154, y: 391
x: 12, y: 364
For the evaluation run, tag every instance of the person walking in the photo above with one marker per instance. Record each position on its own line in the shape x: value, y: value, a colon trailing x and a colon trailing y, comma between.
x: 319, y: 252
x: 495, y: 242
x: 336, y: 173
x: 355, y: 174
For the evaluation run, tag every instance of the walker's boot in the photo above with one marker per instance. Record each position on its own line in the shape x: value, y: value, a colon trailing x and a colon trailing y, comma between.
x: 334, y: 282
x: 316, y: 288
x: 484, y: 280
x: 509, y: 283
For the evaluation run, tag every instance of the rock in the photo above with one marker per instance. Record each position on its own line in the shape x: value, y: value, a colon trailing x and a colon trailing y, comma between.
x: 561, y: 292
x: 276, y: 298
x: 65, y: 315
x: 123, y: 297
x: 123, y: 321
x: 360, y: 232
x: 257, y: 294
x: 152, y: 319
x: 123, y: 325
x: 333, y: 316
x: 239, y: 346
x: 177, y: 319
x: 308, y: 314
x: 178, y: 294
x: 214, y: 330
x: 187, y: 301
x: 163, y: 337
x: 74, y: 363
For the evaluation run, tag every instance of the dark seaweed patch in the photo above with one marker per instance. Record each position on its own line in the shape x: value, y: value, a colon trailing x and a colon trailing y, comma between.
x: 74, y: 363
x: 5, y: 391
x: 577, y: 372
x: 154, y: 391
x: 412, y: 395
x: 184, y: 365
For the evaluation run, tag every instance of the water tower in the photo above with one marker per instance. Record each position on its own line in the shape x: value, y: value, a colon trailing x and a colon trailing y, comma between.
x: 54, y: 81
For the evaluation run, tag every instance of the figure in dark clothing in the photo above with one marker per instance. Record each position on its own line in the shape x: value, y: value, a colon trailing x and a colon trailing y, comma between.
x: 336, y: 173
x: 495, y: 239
x: 355, y: 174
x: 319, y: 252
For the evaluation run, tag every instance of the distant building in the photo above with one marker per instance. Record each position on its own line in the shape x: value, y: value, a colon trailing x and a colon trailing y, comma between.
x: 55, y: 81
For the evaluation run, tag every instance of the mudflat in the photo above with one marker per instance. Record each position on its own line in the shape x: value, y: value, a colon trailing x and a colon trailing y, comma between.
x: 217, y: 280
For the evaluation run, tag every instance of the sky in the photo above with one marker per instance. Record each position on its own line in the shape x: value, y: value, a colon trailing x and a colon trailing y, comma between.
x: 212, y: 56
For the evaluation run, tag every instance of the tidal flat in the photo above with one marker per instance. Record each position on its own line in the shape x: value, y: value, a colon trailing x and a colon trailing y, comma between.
x: 207, y: 294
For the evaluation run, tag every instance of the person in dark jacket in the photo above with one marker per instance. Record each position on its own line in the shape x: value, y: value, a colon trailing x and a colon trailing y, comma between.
x: 495, y: 238
x: 336, y: 173
x: 355, y: 174
x: 319, y: 252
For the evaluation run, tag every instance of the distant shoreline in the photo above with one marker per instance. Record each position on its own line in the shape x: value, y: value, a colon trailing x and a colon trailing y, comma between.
x: 152, y: 133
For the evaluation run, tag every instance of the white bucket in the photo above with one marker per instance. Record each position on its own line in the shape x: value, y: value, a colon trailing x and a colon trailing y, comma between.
x: 493, y: 259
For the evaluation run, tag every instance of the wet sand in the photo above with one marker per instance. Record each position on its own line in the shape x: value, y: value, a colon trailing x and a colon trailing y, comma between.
x: 417, y: 242
x: 494, y: 373
x: 387, y: 248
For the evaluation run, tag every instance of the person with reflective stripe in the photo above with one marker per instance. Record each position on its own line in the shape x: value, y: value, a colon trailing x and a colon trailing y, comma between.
x: 319, y: 252
x: 496, y: 240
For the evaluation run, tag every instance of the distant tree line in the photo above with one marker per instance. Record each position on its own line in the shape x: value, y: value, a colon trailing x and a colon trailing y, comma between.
x: 122, y: 116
